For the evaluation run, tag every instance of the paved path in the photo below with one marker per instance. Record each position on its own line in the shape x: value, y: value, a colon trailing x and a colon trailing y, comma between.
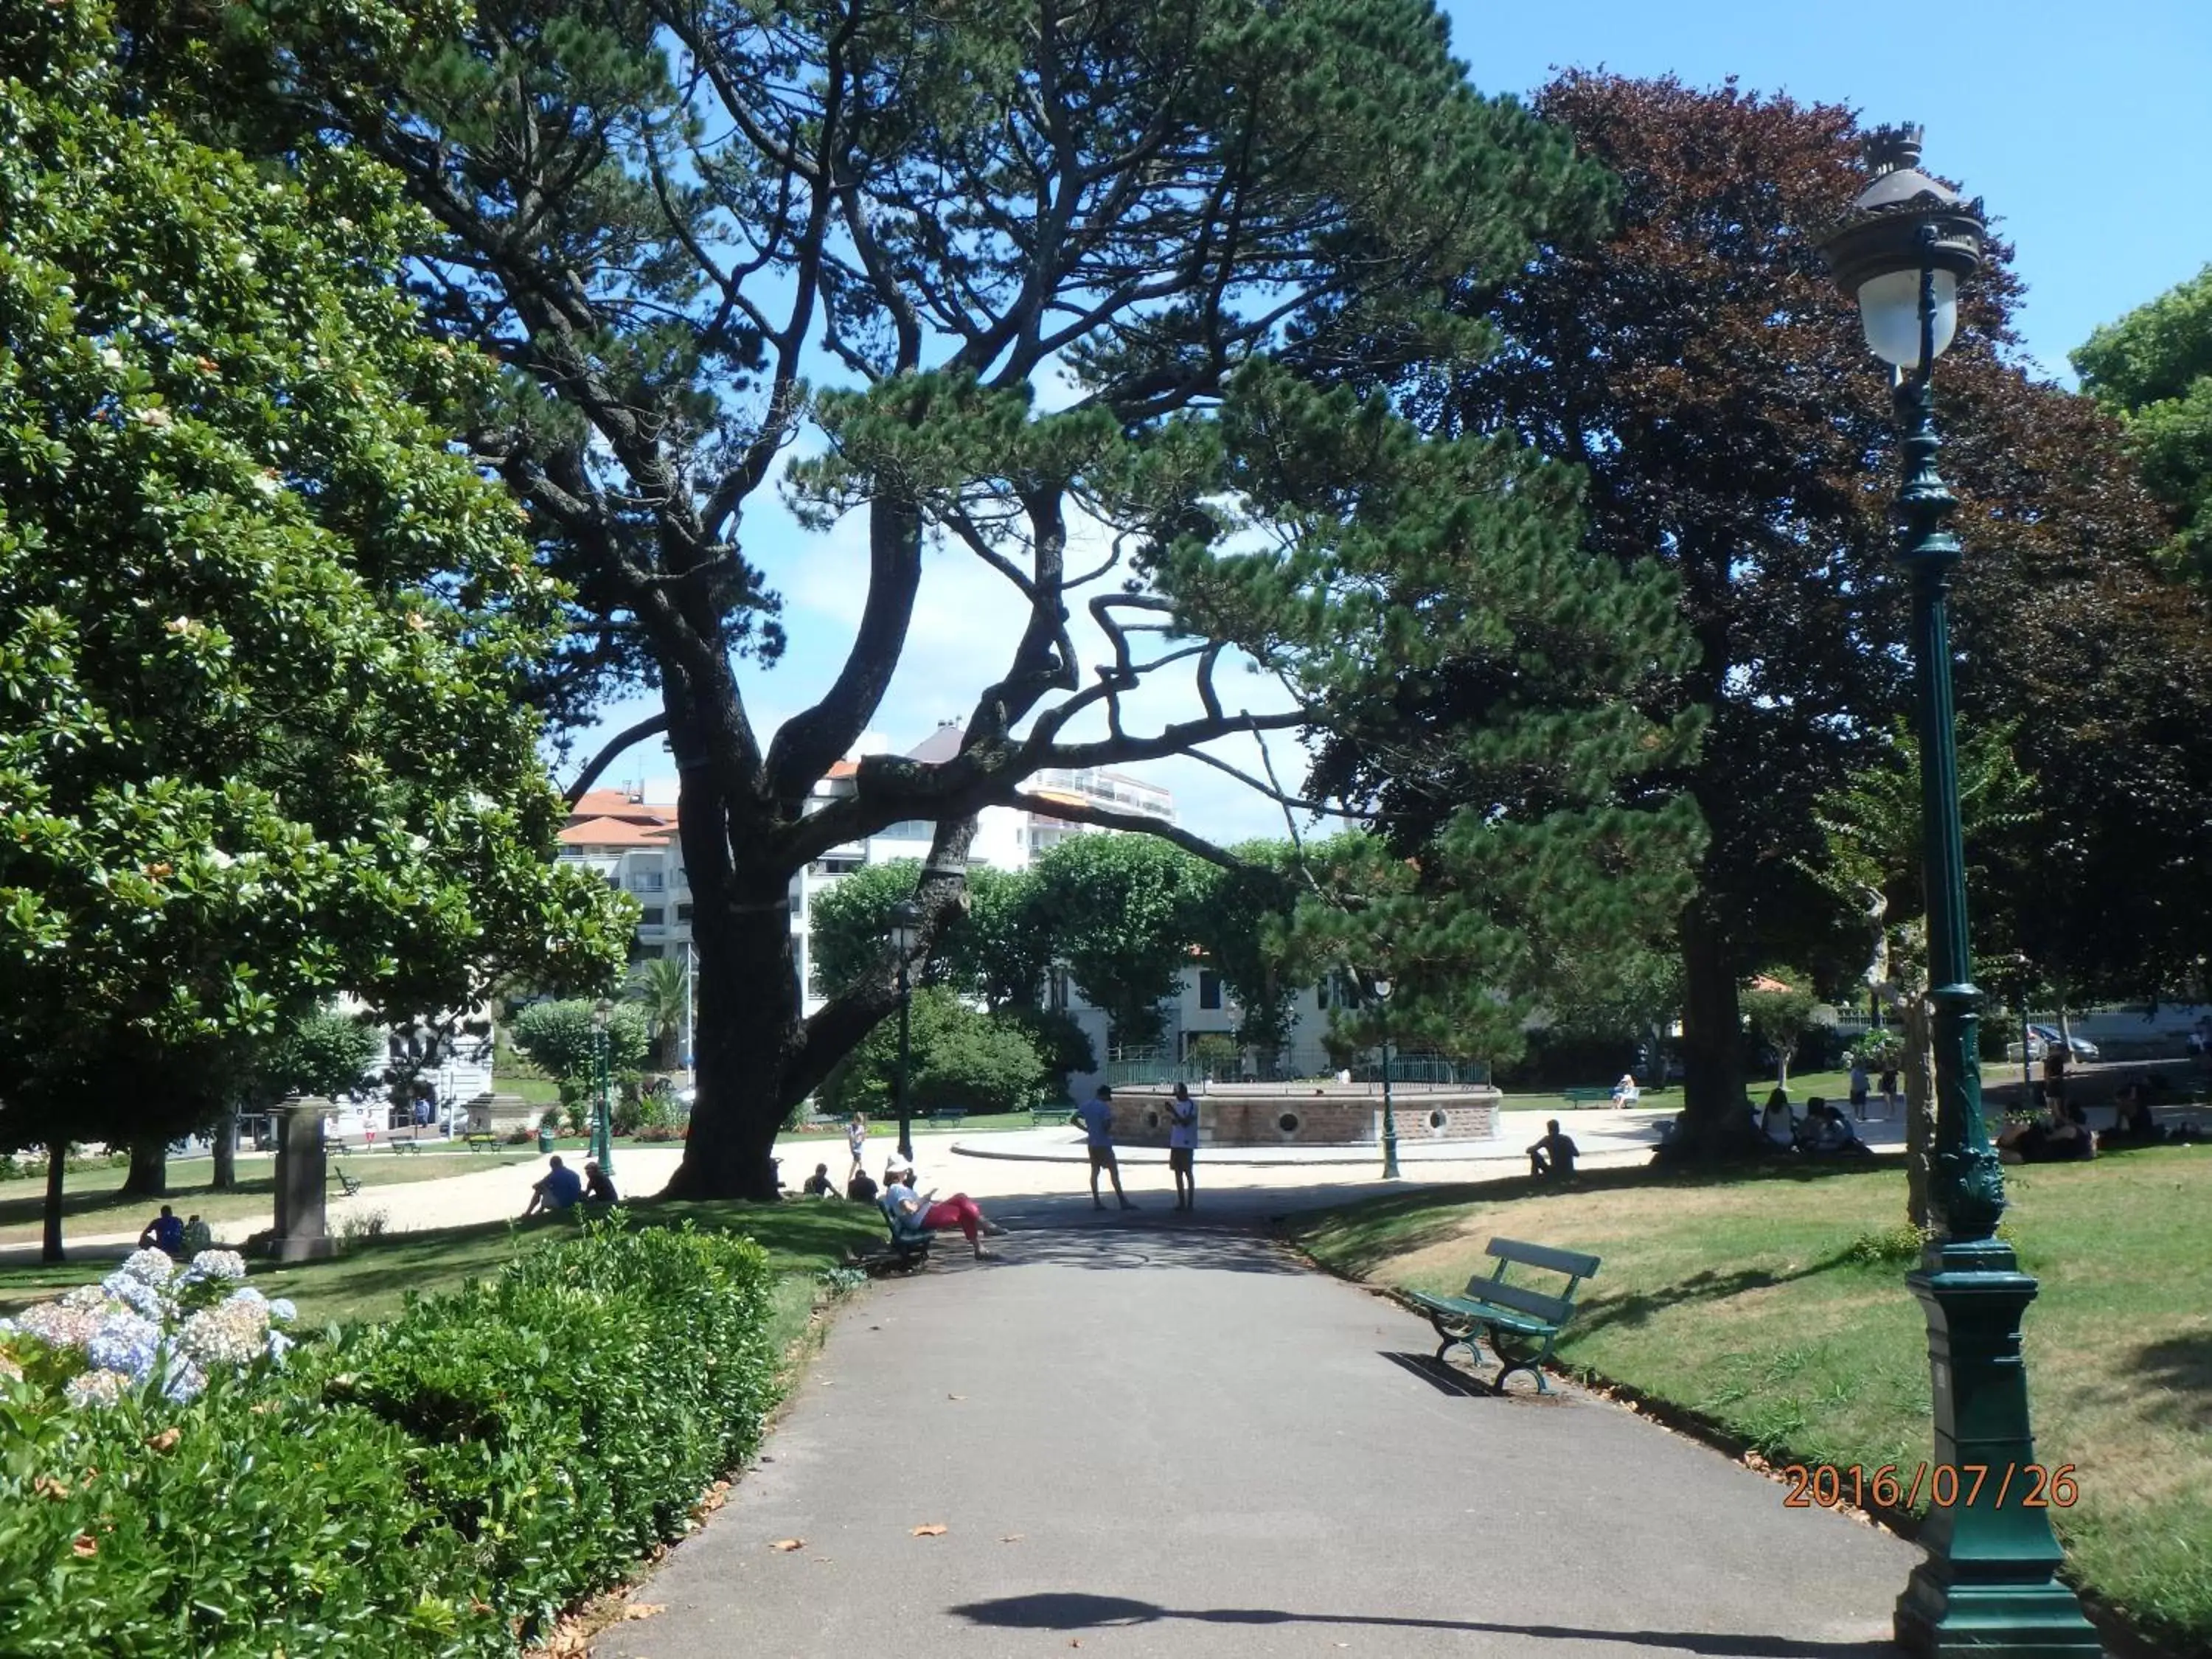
x: 1146, y: 1439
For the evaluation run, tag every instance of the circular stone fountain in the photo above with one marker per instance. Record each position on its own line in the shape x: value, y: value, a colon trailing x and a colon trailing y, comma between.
x: 1309, y: 1114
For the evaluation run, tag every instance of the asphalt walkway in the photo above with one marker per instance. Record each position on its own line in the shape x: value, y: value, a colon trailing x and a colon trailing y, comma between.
x: 1142, y: 1439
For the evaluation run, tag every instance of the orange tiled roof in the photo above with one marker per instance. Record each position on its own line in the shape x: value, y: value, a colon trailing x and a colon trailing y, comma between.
x: 843, y: 768
x: 616, y: 832
x: 617, y: 803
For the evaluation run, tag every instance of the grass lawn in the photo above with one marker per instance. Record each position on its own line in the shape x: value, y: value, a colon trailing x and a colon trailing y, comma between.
x: 90, y: 1205
x: 374, y: 1278
x: 1737, y: 1299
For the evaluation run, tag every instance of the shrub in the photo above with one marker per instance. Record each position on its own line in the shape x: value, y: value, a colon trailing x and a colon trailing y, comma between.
x: 570, y: 1412
x: 434, y: 1486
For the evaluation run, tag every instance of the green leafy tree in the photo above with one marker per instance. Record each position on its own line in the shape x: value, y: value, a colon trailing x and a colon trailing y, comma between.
x: 262, y: 631
x: 560, y: 1040
x: 961, y: 1057
x: 661, y: 987
x: 2154, y: 369
x: 1241, y: 922
x: 665, y: 218
x: 1778, y: 1010
x: 1120, y: 911
x: 992, y: 946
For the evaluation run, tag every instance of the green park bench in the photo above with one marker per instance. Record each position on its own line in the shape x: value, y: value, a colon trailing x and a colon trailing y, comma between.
x: 1586, y: 1096
x: 480, y: 1141
x: 414, y: 1147
x: 1518, y: 1323
x: 1055, y: 1117
x: 348, y: 1185
x: 947, y: 1115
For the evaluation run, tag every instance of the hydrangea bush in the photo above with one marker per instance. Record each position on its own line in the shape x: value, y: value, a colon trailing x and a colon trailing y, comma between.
x: 148, y: 1327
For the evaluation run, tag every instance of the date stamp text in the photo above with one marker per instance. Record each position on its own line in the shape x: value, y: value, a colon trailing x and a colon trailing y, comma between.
x: 1945, y: 1485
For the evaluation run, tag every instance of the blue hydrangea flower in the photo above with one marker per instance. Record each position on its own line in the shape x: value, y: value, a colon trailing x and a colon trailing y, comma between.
x: 245, y: 1293
x: 279, y: 1346
x: 281, y: 1308
x: 88, y: 1388
x: 125, y: 1343
x: 185, y: 1382
x: 134, y: 1294
x: 152, y: 1266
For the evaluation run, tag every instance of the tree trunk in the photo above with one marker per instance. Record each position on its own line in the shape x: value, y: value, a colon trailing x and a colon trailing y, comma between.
x: 49, y: 1241
x: 1716, y: 1124
x: 225, y: 1151
x: 149, y: 1171
x: 1918, y: 1064
x: 747, y: 1031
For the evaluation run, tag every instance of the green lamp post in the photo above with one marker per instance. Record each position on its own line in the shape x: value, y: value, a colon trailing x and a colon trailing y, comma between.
x: 906, y: 933
x: 1389, y: 1116
x: 1990, y: 1583
x: 603, y: 1140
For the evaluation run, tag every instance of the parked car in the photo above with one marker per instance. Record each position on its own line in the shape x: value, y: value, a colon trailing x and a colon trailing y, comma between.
x: 2041, y: 1036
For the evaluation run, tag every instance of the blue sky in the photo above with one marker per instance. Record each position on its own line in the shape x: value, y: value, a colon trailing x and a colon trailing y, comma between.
x: 2086, y: 127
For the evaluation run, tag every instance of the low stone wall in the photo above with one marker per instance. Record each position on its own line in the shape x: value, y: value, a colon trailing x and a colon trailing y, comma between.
x: 1314, y: 1115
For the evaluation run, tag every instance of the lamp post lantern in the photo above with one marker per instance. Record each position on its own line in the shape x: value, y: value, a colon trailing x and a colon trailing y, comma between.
x: 1389, y: 1115
x: 906, y: 933
x: 1988, y: 1585
x: 603, y: 1142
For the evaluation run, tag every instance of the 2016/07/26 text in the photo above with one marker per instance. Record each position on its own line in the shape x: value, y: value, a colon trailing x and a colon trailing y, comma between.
x: 1948, y: 1486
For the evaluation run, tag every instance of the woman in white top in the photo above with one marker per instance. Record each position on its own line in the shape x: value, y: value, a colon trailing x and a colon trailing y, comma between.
x: 1182, y: 1146
x: 1624, y: 1092
x: 856, y: 1137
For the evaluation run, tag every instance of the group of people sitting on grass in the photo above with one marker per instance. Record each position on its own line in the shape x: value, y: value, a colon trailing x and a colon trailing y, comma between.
x: 181, y: 1239
x: 907, y: 1210
x: 1823, y: 1131
x: 561, y: 1187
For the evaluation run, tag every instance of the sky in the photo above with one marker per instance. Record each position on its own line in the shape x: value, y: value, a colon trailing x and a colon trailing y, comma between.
x: 2086, y: 127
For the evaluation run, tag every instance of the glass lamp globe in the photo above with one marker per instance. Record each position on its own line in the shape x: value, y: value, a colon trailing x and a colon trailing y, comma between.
x: 1889, y: 312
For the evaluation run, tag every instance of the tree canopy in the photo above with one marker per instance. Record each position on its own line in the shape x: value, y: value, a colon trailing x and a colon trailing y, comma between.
x: 2153, y: 367
x: 701, y: 235
x: 262, y: 632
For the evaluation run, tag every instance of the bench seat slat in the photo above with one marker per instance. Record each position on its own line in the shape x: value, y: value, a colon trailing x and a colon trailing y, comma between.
x: 1543, y: 1255
x: 1554, y: 1308
x: 1486, y: 1313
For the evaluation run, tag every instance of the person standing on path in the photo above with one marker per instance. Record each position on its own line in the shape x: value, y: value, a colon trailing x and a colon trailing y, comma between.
x: 1889, y: 1089
x: 856, y: 1138
x: 1182, y: 1146
x: 1860, y: 1084
x: 1096, y: 1117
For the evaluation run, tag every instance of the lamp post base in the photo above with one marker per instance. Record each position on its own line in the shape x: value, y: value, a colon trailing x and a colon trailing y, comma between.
x: 1989, y: 1585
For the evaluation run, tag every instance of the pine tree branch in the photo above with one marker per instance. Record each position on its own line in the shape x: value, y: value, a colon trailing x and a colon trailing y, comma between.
x: 615, y: 746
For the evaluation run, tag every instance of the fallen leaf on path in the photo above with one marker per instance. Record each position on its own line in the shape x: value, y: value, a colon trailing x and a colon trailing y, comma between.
x: 929, y: 1529
x: 1012, y: 1538
x: 788, y: 1545
x: 644, y: 1609
x: 956, y: 1396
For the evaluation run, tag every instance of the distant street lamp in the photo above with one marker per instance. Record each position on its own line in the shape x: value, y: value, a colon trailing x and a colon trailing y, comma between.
x: 906, y: 933
x: 1389, y: 1115
x: 603, y: 1140
x: 1988, y: 1585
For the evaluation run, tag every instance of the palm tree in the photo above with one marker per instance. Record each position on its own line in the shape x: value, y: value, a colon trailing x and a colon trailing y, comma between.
x: 658, y: 984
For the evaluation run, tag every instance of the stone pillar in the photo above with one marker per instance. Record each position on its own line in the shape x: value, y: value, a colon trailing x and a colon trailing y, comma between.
x: 302, y: 1235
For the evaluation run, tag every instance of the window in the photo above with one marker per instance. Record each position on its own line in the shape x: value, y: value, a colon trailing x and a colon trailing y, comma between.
x: 646, y: 881
x: 1209, y: 988
x: 652, y: 916
x: 906, y: 829
x: 682, y: 912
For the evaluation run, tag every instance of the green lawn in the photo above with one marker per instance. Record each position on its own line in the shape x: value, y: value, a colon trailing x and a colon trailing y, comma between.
x: 90, y: 1205
x: 371, y: 1280
x: 1737, y: 1300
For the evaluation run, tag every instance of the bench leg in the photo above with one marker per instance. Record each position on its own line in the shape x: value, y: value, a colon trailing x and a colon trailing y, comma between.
x: 1528, y: 1359
x: 1453, y: 1339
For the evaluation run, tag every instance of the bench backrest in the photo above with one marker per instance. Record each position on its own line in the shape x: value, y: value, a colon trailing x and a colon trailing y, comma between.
x: 1553, y: 1310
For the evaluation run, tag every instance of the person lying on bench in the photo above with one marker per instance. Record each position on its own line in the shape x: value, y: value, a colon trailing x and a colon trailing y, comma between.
x: 907, y: 1209
x: 1553, y: 1155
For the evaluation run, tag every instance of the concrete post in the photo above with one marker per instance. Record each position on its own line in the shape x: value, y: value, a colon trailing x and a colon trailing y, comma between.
x: 301, y: 1232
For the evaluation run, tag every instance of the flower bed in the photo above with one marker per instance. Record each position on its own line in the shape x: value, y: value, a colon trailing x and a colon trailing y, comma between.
x: 439, y: 1485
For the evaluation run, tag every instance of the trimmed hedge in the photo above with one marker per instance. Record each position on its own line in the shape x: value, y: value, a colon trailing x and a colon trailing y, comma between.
x: 430, y: 1488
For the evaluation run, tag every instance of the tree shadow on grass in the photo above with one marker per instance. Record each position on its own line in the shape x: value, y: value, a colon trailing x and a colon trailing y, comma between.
x: 1375, y: 1231
x: 1073, y: 1610
x: 25, y: 1210
x: 2181, y: 1367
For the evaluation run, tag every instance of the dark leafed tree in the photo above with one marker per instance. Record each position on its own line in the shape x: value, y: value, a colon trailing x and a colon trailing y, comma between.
x: 1703, y: 369
x: 701, y: 234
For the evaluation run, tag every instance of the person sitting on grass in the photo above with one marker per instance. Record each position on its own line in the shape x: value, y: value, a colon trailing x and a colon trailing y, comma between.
x: 2058, y: 1137
x: 817, y: 1184
x: 861, y: 1189
x: 164, y: 1233
x: 599, y: 1186
x: 557, y: 1190
x: 1832, y: 1134
x: 906, y: 1210
x: 1552, y: 1156
x: 198, y: 1236
x: 1775, y: 1126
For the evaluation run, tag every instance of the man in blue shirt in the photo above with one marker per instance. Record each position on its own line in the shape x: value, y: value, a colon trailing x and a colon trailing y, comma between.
x: 164, y: 1233
x: 557, y: 1190
x: 1096, y: 1117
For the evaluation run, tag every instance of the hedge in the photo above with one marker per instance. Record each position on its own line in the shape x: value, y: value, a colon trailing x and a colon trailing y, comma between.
x: 433, y: 1488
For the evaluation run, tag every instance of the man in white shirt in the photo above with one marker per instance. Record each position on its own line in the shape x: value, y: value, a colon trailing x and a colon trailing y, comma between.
x: 1182, y: 1146
x: 1096, y: 1117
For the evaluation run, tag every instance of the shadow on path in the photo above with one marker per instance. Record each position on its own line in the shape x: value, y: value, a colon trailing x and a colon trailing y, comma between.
x: 1073, y: 1610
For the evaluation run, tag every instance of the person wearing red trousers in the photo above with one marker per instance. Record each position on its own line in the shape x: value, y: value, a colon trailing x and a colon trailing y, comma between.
x: 902, y: 1203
